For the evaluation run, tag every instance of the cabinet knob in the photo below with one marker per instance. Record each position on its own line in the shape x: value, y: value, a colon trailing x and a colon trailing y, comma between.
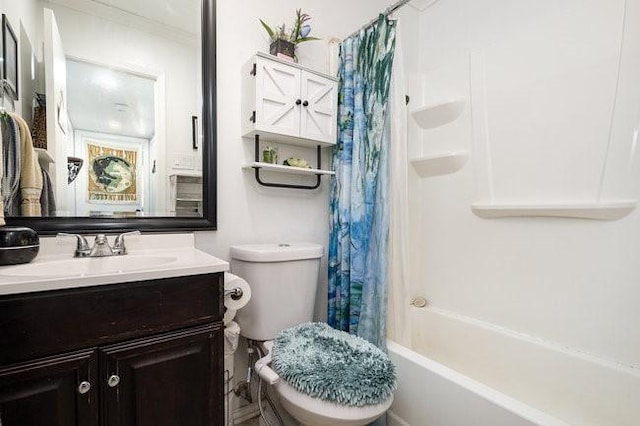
x: 298, y: 101
x: 84, y: 387
x: 305, y: 104
x: 113, y: 381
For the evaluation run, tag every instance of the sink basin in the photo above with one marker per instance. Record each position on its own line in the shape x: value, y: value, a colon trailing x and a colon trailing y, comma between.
x: 87, y: 266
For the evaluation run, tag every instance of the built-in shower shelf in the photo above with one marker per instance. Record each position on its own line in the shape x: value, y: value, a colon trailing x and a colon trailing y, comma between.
x: 439, y: 114
x: 599, y: 211
x: 440, y: 164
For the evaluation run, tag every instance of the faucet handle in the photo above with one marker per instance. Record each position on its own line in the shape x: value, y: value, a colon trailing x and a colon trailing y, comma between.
x: 118, y: 246
x: 82, y: 246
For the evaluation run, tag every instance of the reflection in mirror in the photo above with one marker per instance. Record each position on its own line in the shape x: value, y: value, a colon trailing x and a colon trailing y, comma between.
x: 108, y: 91
x: 113, y: 112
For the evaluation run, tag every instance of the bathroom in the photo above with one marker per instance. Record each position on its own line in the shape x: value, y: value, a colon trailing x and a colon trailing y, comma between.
x: 512, y: 291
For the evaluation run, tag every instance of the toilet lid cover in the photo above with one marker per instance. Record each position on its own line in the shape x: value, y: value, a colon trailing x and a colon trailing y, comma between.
x: 332, y: 365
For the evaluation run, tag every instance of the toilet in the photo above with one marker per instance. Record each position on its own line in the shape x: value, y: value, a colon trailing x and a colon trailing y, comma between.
x: 283, y: 280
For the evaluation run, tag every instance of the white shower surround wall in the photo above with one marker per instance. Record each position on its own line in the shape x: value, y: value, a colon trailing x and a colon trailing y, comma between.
x: 542, y: 310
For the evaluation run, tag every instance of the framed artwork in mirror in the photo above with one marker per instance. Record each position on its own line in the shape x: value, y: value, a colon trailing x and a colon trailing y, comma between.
x: 9, y: 58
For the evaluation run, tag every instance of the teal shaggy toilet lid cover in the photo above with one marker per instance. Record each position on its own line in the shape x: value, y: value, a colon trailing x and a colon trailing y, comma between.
x: 332, y: 365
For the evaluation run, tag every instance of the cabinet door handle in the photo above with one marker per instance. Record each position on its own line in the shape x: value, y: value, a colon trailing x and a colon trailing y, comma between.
x: 113, y: 381
x: 298, y: 101
x: 305, y: 104
x: 84, y: 387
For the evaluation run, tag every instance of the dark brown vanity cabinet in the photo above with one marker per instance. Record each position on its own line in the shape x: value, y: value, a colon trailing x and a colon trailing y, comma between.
x: 45, y: 392
x: 163, y: 381
x: 144, y: 354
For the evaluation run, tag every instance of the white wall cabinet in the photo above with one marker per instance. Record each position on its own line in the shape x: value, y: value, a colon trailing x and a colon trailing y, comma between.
x: 284, y: 102
x: 288, y: 103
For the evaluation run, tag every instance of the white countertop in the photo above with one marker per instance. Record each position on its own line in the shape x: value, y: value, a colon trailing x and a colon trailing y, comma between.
x: 150, y: 257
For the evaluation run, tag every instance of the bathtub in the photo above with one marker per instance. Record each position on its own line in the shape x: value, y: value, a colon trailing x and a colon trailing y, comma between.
x: 461, y: 371
x: 430, y: 394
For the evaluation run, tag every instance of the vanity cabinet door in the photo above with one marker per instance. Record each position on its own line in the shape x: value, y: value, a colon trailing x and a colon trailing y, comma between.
x: 60, y: 391
x: 175, y: 379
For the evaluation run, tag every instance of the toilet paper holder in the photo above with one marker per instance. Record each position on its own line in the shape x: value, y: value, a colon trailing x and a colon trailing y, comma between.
x: 234, y: 293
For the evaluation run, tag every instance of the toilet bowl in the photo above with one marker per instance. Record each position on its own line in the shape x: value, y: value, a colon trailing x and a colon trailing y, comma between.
x: 316, y: 412
x: 312, y: 411
x: 283, y: 280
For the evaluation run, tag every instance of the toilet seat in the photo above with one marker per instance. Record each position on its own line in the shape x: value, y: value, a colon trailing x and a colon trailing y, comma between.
x: 333, y: 365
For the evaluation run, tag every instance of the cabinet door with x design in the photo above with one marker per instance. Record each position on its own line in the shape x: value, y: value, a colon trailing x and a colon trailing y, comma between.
x: 277, y: 92
x: 319, y: 104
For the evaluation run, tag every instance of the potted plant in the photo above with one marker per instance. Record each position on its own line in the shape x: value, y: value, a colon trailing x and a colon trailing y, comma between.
x: 283, y: 42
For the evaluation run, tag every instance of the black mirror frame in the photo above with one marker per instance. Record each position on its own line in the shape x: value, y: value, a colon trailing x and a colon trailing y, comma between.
x: 53, y: 225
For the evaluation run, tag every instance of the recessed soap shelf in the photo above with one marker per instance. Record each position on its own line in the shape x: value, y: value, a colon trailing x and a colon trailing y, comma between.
x: 436, y: 115
x: 440, y: 164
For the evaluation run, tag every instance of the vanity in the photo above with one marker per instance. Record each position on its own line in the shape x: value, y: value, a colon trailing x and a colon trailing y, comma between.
x: 121, y: 340
x: 136, y: 342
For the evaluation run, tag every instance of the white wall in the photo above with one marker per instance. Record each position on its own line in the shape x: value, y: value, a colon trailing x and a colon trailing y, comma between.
x: 59, y: 142
x: 247, y: 212
x: 541, y: 78
x: 26, y: 19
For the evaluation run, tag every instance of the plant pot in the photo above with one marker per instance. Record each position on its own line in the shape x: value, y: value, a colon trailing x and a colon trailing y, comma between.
x: 283, y: 49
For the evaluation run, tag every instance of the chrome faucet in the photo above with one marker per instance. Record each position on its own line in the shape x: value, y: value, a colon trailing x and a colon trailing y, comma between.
x: 101, y: 247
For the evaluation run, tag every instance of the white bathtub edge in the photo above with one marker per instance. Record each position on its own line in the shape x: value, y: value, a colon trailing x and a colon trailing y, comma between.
x: 498, y: 398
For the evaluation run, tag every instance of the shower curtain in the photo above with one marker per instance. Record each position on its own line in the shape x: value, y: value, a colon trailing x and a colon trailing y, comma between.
x: 359, y: 210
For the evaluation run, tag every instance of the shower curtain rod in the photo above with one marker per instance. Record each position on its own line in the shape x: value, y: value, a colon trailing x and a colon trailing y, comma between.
x: 388, y: 11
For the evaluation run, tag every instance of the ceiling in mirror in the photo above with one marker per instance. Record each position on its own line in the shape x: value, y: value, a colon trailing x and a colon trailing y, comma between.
x: 108, y: 101
x: 177, y: 18
x: 111, y: 92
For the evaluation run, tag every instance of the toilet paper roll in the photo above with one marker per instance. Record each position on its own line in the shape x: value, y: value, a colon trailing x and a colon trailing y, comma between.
x: 231, y: 282
x: 229, y: 315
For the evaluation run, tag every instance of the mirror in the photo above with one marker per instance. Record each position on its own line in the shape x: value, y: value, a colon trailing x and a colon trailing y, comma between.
x: 122, y: 122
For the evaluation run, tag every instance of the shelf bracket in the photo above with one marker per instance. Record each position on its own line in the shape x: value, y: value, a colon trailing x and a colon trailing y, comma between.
x: 285, y: 185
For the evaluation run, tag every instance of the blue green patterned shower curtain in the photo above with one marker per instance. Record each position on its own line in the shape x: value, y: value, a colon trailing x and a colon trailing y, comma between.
x: 359, y: 211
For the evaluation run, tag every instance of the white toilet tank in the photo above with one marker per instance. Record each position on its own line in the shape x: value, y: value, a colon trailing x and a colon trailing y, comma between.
x: 283, y: 280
